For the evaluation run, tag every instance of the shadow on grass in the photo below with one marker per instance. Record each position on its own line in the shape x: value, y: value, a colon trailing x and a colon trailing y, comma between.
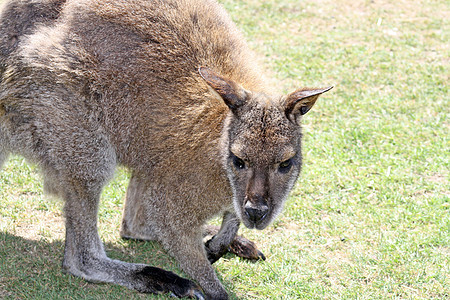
x: 31, y: 269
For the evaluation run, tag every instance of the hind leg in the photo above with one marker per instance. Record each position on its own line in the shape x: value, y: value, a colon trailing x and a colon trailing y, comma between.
x: 135, y: 221
x: 85, y: 164
x: 77, y: 160
x: 85, y: 257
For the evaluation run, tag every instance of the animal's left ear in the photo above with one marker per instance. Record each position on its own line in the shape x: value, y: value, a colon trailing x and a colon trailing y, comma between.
x: 232, y: 93
x: 300, y: 102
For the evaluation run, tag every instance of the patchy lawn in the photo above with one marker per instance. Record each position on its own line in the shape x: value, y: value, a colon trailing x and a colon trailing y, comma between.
x: 370, y: 216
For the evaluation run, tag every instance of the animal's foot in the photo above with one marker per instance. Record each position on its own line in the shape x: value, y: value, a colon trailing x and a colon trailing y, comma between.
x: 245, y: 248
x: 159, y: 281
x: 240, y: 246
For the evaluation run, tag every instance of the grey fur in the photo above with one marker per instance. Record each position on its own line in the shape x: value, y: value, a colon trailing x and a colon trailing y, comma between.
x: 166, y: 88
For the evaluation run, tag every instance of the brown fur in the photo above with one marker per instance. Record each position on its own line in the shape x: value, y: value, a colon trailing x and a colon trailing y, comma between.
x: 166, y: 88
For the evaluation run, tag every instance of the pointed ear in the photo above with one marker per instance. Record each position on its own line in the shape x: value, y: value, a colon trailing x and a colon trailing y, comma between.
x: 300, y: 102
x: 232, y: 93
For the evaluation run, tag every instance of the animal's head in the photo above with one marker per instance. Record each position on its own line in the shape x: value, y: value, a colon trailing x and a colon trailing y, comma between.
x: 261, y: 146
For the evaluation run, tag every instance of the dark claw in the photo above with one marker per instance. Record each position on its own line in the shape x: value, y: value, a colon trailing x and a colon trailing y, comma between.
x: 261, y: 255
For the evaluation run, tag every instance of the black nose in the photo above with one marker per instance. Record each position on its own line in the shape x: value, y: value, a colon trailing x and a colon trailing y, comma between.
x: 256, y: 212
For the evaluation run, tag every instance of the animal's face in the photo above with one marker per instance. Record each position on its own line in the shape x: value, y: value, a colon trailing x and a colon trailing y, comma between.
x: 261, y: 147
x: 263, y: 160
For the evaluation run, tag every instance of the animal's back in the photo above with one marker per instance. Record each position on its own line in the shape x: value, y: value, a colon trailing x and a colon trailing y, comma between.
x: 157, y: 60
x: 140, y: 59
x: 169, y: 39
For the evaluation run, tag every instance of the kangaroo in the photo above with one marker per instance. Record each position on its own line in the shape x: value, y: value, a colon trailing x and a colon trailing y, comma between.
x: 168, y: 89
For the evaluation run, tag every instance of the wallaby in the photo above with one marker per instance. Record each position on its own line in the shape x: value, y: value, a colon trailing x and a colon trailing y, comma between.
x: 167, y: 88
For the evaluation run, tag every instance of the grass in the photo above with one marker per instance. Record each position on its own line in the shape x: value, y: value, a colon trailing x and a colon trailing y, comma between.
x: 369, y: 217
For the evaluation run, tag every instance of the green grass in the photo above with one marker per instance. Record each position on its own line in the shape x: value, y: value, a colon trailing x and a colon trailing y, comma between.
x: 369, y: 217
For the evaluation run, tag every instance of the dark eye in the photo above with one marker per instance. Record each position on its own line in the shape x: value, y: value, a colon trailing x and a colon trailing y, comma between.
x: 237, y: 162
x: 285, y: 166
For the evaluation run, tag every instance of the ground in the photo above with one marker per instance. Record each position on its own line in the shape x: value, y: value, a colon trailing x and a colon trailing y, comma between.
x: 369, y: 217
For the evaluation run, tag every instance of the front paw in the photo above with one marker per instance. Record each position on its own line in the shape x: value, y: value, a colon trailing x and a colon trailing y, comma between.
x: 214, y: 254
x: 245, y: 248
